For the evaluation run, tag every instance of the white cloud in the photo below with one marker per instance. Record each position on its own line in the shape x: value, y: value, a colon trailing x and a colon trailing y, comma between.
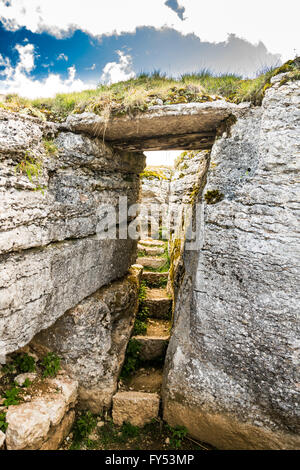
x: 18, y: 79
x: 210, y: 21
x: 62, y: 56
x: 92, y: 67
x: 118, y: 71
x: 26, y: 54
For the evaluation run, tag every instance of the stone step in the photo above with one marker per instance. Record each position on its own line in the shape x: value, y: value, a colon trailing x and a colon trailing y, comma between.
x: 149, y: 262
x: 155, y: 279
x: 152, y: 347
x: 158, y: 303
x: 159, y: 327
x: 151, y: 242
x: 145, y: 379
x: 137, y: 408
x: 151, y: 250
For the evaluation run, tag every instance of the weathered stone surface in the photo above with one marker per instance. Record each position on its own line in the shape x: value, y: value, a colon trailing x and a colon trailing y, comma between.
x: 186, y: 183
x: 181, y: 125
x: 137, y: 408
x: 58, y: 434
x: 158, y: 303
x: 151, y: 242
x: 231, y: 375
x: 18, y: 133
x: 50, y: 256
x: 85, y: 175
x: 2, y: 440
x: 21, y: 378
x: 154, y: 201
x: 151, y: 250
x: 152, y: 347
x: 149, y: 262
x: 154, y: 279
x: 39, y: 286
x: 91, y: 339
x: 32, y: 424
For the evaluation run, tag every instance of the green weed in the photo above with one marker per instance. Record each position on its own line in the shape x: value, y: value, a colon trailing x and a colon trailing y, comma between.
x: 177, y: 434
x: 83, y: 426
x: 50, y: 364
x: 32, y: 167
x: 3, y: 423
x: 132, y: 358
x: 12, y: 396
x: 50, y: 147
x: 129, y: 431
x: 24, y: 363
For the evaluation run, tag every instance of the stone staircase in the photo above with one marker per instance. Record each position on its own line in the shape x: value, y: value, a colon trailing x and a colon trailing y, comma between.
x: 138, y: 398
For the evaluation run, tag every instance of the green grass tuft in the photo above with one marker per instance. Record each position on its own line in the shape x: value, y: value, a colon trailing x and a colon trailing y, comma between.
x: 138, y: 94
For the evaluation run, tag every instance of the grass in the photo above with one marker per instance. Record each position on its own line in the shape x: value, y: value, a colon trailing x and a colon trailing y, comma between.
x: 83, y: 426
x: 151, y: 174
x: 156, y: 435
x: 32, y: 167
x: 160, y: 282
x: 132, y: 358
x: 51, y: 365
x: 136, y: 95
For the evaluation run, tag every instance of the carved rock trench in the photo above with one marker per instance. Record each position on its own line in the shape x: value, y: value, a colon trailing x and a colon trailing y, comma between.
x: 231, y: 369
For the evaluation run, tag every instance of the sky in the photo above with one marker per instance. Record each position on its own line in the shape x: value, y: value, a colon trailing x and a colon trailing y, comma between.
x: 51, y: 46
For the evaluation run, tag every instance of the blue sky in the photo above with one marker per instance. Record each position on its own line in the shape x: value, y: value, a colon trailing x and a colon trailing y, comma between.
x: 62, y: 45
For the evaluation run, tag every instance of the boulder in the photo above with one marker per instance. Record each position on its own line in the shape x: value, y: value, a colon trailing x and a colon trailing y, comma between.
x: 91, y: 339
x: 137, y: 408
x: 232, y: 369
x: 43, y: 422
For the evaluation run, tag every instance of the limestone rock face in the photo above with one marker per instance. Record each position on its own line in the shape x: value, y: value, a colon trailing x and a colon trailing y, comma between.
x: 232, y: 369
x: 2, y: 439
x: 50, y: 255
x: 187, y: 182
x: 178, y: 126
x: 91, y: 339
x: 138, y: 408
x: 154, y: 197
x: 44, y: 422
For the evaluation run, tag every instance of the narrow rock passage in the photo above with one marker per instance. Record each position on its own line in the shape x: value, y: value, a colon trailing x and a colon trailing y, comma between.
x: 139, y: 395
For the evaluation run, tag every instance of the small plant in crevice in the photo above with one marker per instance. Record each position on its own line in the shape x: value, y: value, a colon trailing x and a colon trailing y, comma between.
x: 50, y: 147
x: 142, y: 253
x: 12, y: 396
x: 32, y: 167
x: 83, y: 426
x: 26, y: 383
x: 177, y: 434
x: 141, y: 320
x: 132, y: 358
x: 213, y: 196
x: 9, y: 368
x: 142, y: 291
x: 3, y: 423
x: 157, y: 283
x: 129, y: 431
x: 24, y: 363
x: 50, y: 365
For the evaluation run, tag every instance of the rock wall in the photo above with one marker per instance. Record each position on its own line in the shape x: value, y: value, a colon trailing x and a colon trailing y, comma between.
x: 155, y: 191
x: 50, y: 256
x: 232, y: 369
x: 91, y: 339
x: 187, y: 181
